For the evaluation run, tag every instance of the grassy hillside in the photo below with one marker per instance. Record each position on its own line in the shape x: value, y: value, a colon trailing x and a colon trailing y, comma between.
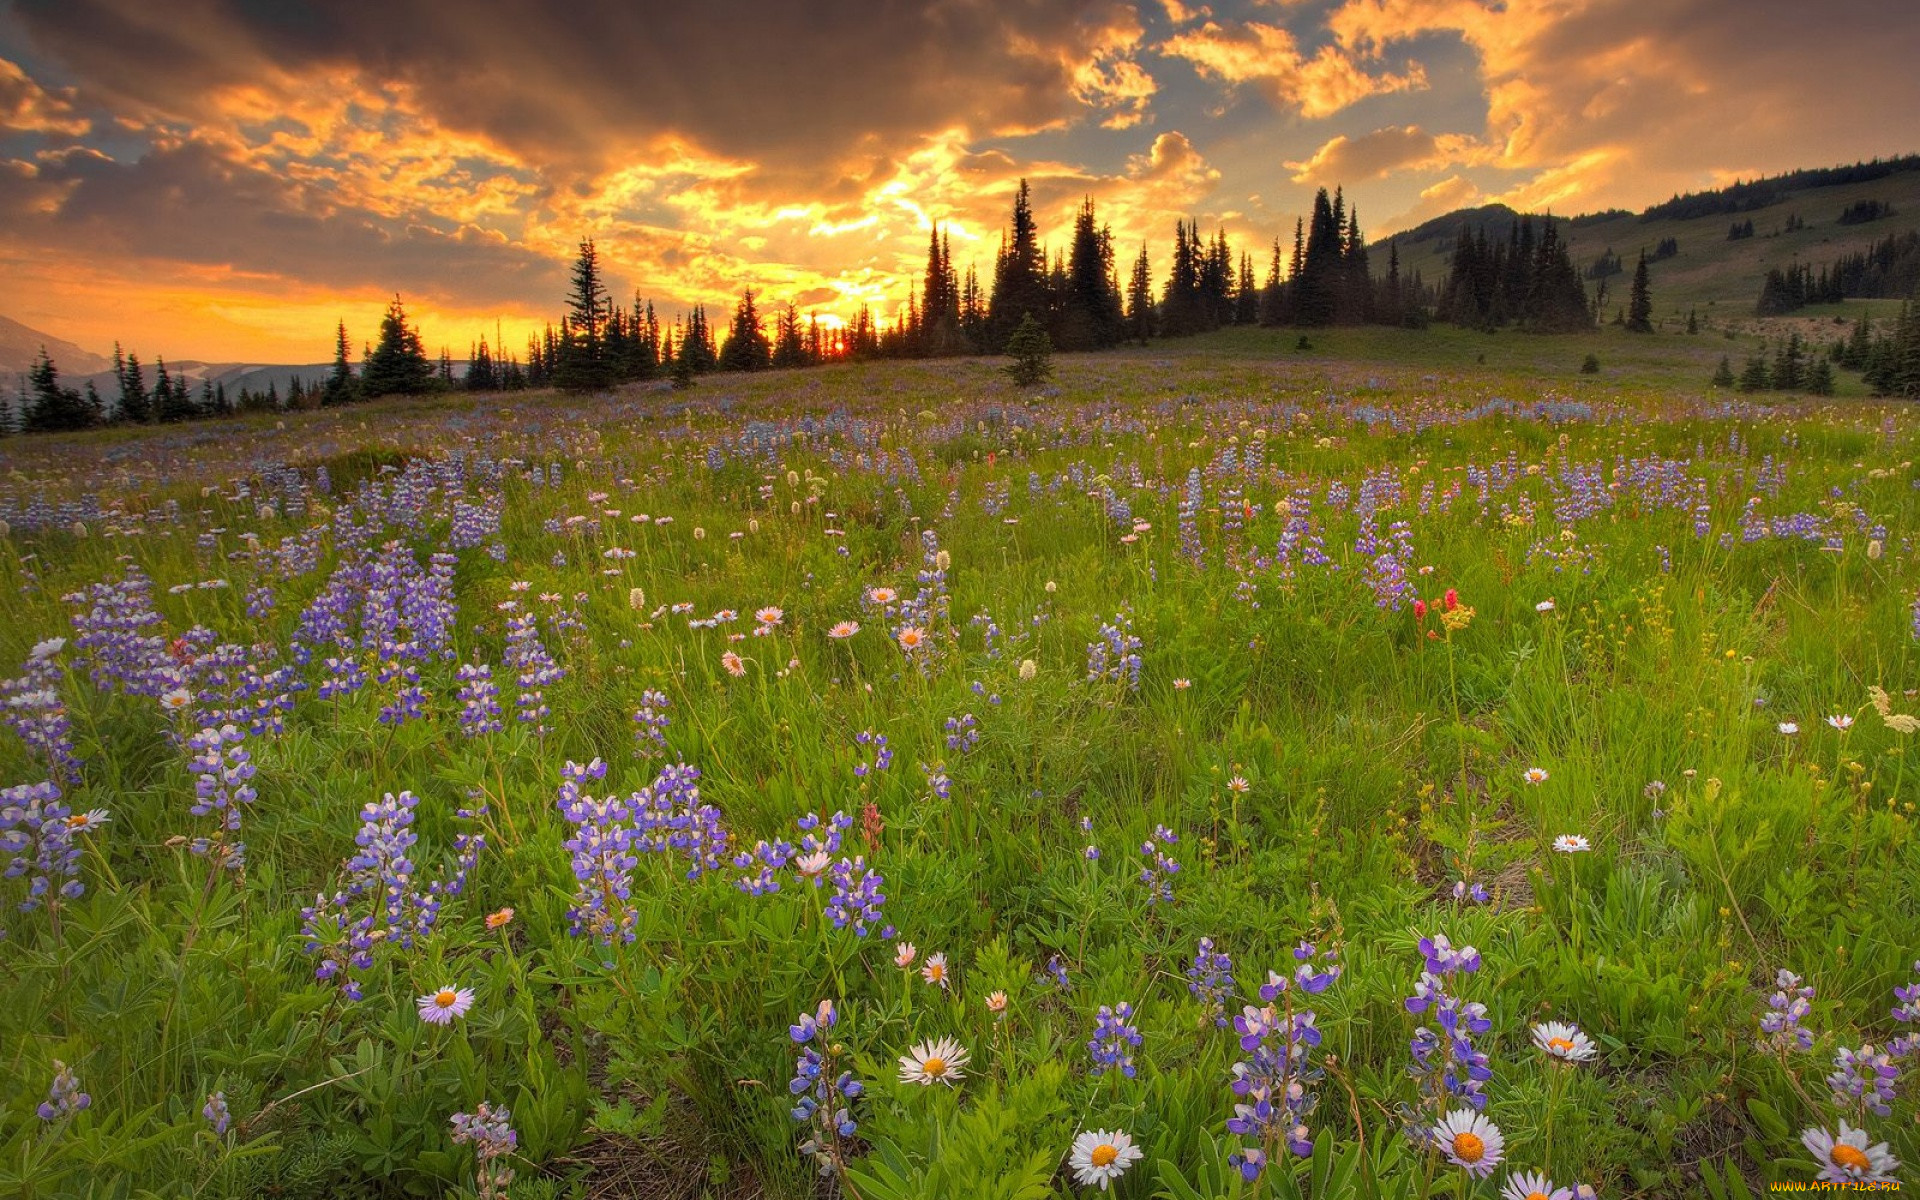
x: 1718, y: 278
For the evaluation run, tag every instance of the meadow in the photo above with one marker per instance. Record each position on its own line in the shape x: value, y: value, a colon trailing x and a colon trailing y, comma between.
x: 1227, y: 771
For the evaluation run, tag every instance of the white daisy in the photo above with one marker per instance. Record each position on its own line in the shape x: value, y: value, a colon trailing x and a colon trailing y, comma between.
x: 1848, y: 1158
x: 48, y: 648
x: 1535, y: 775
x: 1531, y: 1185
x: 939, y: 1061
x: 93, y: 818
x: 1102, y: 1156
x: 935, y: 972
x: 1561, y: 1040
x: 1572, y: 843
x: 1545, y: 606
x: 1841, y: 721
x: 1788, y: 728
x: 811, y: 865
x: 1470, y: 1141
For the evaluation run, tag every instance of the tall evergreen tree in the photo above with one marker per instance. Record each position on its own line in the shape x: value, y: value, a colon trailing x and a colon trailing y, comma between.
x: 398, y: 364
x: 1318, y: 288
x: 341, y: 386
x: 48, y: 407
x: 746, y: 348
x: 583, y: 363
x: 1140, y: 315
x: 135, y: 405
x: 1640, y: 300
x: 1091, y: 315
x: 1019, y: 275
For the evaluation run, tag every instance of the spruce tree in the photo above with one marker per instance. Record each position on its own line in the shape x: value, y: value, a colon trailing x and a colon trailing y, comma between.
x: 746, y: 348
x: 1019, y: 275
x: 1640, y: 300
x: 1091, y: 317
x: 582, y: 363
x: 1820, y: 378
x: 1753, y: 377
x: 398, y: 365
x: 50, y: 408
x: 341, y: 386
x: 135, y: 405
x: 1723, y: 374
x: 1140, y: 299
x: 1031, y: 351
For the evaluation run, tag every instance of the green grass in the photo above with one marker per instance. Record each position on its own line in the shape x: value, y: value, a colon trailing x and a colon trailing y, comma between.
x: 1332, y: 768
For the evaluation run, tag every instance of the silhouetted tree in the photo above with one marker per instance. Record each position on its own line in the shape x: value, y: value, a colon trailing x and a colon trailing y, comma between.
x: 398, y: 365
x: 1640, y: 300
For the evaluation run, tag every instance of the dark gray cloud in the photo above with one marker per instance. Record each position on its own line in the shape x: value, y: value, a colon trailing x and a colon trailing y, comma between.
x: 582, y: 83
x: 188, y: 204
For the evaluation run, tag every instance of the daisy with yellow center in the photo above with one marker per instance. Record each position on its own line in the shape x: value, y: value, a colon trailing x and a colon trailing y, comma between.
x: 881, y: 595
x: 446, y: 1005
x: 912, y: 638
x: 903, y: 955
x: 1100, y: 1156
x: 997, y: 1003
x: 1470, y: 1142
x: 940, y: 1061
x: 843, y: 630
x: 1563, y: 1041
x: 93, y: 818
x: 1847, y: 1158
x: 1531, y: 1185
x: 735, y: 666
x: 935, y: 972
x: 1535, y: 775
x: 499, y: 920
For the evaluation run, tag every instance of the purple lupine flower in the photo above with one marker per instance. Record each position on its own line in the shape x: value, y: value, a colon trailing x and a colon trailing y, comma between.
x: 222, y: 786
x: 603, y: 858
x: 217, y: 1114
x: 33, y: 706
x: 857, y: 899
x: 479, y: 698
x: 1863, y: 1081
x: 36, y: 833
x: 1210, y: 979
x: 1906, y: 1009
x: 535, y: 670
x: 64, y: 1097
x: 962, y: 734
x: 1158, y: 869
x: 487, y: 1130
x: 1790, y: 1003
x: 1114, y: 656
x: 1057, y: 973
x: 882, y: 756
x: 651, y: 721
x: 1272, y: 1087
x: 1114, y: 1039
x: 824, y: 1095
x: 1449, y: 1067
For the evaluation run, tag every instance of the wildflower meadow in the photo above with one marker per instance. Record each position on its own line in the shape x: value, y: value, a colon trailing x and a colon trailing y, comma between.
x: 1201, y: 777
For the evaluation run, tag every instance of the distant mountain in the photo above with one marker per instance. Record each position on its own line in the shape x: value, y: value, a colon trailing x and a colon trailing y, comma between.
x: 20, y: 349
x: 1810, y: 217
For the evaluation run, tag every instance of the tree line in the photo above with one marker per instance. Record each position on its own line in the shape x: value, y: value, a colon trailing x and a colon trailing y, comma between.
x: 1075, y: 295
x: 1888, y: 269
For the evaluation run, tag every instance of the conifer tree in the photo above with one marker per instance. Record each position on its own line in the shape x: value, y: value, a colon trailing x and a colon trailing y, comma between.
x: 583, y: 363
x: 1140, y: 315
x: 1031, y: 351
x: 135, y: 405
x: 341, y: 386
x: 746, y: 348
x: 1723, y: 374
x: 1640, y: 300
x: 1091, y: 315
x: 48, y: 407
x: 1019, y: 275
x: 398, y: 364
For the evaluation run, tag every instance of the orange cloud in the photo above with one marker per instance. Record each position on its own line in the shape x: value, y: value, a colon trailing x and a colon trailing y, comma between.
x: 1375, y: 155
x: 1267, y: 57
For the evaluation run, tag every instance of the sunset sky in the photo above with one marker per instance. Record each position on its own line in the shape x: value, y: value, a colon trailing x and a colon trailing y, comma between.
x: 224, y: 179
